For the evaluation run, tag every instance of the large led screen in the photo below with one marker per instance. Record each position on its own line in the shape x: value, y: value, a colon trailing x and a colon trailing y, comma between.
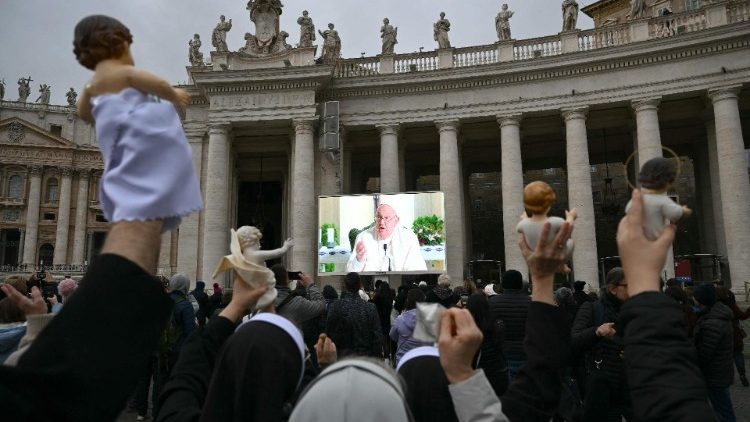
x: 388, y: 233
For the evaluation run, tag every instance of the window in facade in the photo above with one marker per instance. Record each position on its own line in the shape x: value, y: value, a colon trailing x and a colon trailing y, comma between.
x: 52, y: 190
x: 11, y: 214
x: 693, y: 4
x: 15, y: 186
x: 56, y: 130
x: 49, y: 216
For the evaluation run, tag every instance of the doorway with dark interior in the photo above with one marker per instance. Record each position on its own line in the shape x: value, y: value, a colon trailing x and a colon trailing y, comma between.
x: 259, y: 204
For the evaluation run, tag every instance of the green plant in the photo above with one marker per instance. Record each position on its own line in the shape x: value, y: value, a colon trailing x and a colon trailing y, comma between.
x: 429, y: 230
x: 324, y: 234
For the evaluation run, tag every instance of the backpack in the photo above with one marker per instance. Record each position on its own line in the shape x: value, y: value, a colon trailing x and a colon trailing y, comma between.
x: 172, y: 333
x: 194, y: 303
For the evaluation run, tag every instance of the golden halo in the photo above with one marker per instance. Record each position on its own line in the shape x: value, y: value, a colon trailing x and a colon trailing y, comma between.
x: 669, y: 150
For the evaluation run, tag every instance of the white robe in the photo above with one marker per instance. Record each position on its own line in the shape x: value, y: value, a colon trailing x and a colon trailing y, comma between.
x: 402, y: 254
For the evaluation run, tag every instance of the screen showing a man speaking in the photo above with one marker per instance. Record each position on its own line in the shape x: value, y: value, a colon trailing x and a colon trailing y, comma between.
x: 400, y: 233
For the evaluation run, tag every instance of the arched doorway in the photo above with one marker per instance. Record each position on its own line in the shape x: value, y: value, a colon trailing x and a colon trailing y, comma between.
x: 46, y: 254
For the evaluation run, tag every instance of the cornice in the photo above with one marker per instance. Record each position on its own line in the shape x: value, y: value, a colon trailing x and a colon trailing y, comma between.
x: 700, y: 43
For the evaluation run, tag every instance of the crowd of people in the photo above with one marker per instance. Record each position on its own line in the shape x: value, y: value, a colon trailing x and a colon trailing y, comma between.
x: 504, y: 353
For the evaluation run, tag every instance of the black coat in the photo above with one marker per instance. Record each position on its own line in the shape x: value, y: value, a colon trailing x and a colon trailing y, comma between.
x: 663, y: 375
x: 607, y: 351
x: 354, y: 326
x: 512, y: 308
x: 205, y: 309
x: 713, y: 340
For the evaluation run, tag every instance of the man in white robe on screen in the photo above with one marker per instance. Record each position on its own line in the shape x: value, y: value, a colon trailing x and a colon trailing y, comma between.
x: 387, y: 246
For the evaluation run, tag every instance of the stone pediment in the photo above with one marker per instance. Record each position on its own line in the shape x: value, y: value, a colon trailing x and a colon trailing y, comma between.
x: 16, y: 131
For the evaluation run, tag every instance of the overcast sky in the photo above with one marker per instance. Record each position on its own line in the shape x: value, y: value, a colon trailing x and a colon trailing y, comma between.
x: 37, y: 34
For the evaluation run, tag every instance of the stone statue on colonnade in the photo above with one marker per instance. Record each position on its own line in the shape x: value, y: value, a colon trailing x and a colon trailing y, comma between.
x: 2, y: 89
x: 306, y: 30
x: 44, y: 94
x: 24, y: 90
x: 440, y: 31
x: 388, y: 34
x: 570, y: 14
x: 331, y: 44
x: 637, y: 9
x: 502, y: 23
x: 219, y: 36
x: 72, y: 96
x: 194, y: 55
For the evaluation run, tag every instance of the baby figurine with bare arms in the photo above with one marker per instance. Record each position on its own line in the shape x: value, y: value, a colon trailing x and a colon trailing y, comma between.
x: 538, y: 198
x: 148, y: 164
x: 656, y: 177
x: 249, y: 262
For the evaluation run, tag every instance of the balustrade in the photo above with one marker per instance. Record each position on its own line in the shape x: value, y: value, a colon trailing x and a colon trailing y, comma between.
x: 738, y: 11
x: 415, y: 62
x: 472, y: 56
x: 604, y: 37
x: 537, y: 47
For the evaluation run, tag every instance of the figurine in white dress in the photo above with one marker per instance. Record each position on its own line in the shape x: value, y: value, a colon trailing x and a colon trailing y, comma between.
x: 538, y: 198
x: 249, y: 261
x: 656, y: 177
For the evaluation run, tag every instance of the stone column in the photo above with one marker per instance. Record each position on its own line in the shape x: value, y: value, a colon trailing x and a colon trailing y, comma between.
x: 512, y: 189
x: 216, y: 229
x: 450, y: 184
x: 733, y: 181
x: 21, y: 241
x: 188, y: 233
x: 32, y: 215
x: 389, y: 159
x: 713, y: 168
x: 63, y: 218
x: 647, y: 127
x: 89, y: 246
x: 82, y: 206
x: 303, y: 209
x: 649, y: 146
x: 585, y: 260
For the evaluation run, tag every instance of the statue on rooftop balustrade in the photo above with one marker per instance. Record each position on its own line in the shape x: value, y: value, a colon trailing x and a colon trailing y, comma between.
x: 72, y: 96
x: 388, y: 33
x: 637, y: 9
x: 502, y: 23
x: 219, y: 36
x: 2, y: 89
x: 570, y: 15
x: 44, y: 94
x: 306, y: 30
x: 24, y: 89
x: 194, y: 55
x: 440, y: 31
x: 331, y: 44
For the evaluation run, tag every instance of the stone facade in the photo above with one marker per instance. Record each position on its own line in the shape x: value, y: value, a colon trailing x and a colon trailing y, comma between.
x: 476, y: 123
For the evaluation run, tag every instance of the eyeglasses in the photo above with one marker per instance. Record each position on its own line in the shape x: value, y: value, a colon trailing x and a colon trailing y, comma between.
x: 385, y: 219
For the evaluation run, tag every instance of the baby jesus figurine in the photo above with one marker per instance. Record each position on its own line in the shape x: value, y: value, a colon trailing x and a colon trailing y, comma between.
x: 656, y: 177
x: 248, y: 261
x: 538, y: 198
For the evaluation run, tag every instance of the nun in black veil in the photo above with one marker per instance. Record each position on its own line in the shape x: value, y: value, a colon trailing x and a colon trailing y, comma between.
x: 257, y: 372
x: 427, y: 391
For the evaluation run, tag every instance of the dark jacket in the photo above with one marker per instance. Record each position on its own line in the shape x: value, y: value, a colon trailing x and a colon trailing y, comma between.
x: 581, y: 297
x: 607, y: 352
x: 713, y: 340
x: 183, y: 395
x: 184, y: 316
x: 300, y: 309
x: 384, y: 305
x: 491, y: 360
x: 738, y: 333
x: 354, y: 326
x: 96, y: 340
x: 512, y: 307
x: 663, y: 375
x: 205, y: 310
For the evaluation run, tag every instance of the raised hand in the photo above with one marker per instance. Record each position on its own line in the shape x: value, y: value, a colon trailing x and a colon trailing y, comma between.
x: 642, y: 260
x: 33, y: 306
x: 458, y: 343
x: 361, y: 251
x: 244, y: 298
x: 606, y: 330
x: 325, y: 349
x: 547, y: 259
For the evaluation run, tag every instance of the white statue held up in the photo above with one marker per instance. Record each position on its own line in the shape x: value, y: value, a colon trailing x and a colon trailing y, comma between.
x: 248, y: 261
